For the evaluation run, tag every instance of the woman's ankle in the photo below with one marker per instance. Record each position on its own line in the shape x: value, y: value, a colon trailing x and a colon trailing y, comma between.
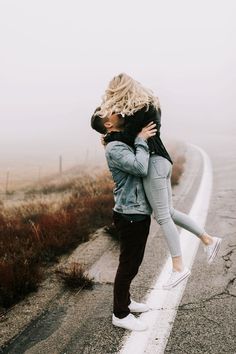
x: 206, y: 239
x: 177, y: 269
x: 177, y: 264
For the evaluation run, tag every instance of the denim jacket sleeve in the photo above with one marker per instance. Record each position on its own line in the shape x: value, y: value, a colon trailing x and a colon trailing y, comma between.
x: 126, y: 159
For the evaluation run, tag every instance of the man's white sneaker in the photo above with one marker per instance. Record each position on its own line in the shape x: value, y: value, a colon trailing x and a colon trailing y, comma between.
x: 212, y: 249
x: 176, y: 277
x: 138, y: 306
x: 129, y: 322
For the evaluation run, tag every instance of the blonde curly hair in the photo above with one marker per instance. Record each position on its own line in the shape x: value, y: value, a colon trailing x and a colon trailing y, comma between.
x: 124, y: 95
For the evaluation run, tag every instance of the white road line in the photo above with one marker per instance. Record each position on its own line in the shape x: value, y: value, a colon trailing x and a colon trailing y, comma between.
x: 164, y: 303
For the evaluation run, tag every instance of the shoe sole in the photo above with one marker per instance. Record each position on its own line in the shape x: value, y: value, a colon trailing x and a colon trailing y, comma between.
x: 215, y: 251
x: 186, y: 275
x: 139, y: 311
x: 122, y: 326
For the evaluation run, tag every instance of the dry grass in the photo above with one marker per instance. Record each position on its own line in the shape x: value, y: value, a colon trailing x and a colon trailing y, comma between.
x: 74, y: 276
x: 178, y: 169
x: 36, y: 232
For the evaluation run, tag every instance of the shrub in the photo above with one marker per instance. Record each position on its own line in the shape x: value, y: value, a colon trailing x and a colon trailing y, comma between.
x: 74, y: 276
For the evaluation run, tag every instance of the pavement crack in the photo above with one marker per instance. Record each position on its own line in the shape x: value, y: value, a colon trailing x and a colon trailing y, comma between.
x: 211, y: 320
x: 227, y: 217
x: 231, y: 287
x: 232, y: 245
x: 227, y: 259
x: 202, y: 304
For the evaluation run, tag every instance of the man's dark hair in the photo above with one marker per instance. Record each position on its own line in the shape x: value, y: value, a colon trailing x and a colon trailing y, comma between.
x: 97, y: 123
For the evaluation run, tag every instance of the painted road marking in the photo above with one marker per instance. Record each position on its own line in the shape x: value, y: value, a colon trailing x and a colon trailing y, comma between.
x: 164, y: 303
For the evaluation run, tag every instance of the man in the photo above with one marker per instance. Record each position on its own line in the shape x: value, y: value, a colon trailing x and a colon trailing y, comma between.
x: 131, y: 214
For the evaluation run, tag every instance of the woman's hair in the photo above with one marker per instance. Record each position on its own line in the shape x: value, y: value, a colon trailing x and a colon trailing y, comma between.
x: 124, y: 95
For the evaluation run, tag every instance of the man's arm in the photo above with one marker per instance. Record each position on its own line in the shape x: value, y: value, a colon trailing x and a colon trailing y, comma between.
x: 126, y: 160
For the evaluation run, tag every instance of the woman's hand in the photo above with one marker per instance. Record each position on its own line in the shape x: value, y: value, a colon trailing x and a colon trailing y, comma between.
x: 148, y: 131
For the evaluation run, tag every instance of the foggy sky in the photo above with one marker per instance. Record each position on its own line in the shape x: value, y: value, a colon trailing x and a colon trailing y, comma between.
x: 57, y: 58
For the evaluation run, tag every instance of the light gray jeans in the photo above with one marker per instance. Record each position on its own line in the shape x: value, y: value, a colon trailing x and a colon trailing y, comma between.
x: 157, y: 185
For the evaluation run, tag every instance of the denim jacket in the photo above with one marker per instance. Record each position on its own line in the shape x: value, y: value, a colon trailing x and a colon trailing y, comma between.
x: 127, y: 168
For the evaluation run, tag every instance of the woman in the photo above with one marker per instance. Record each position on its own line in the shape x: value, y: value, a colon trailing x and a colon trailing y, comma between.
x: 128, y: 98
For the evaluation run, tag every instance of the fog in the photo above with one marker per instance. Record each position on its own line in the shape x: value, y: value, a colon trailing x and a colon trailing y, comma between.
x: 57, y: 58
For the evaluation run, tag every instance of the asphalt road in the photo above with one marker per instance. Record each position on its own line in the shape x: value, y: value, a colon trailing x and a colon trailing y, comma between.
x: 206, y: 319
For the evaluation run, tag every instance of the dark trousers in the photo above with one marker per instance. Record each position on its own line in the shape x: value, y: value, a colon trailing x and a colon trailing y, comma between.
x: 133, y: 238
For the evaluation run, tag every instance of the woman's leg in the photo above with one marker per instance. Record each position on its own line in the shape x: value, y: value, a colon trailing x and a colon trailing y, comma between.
x: 156, y: 187
x: 185, y: 221
x: 159, y: 193
x: 212, y: 244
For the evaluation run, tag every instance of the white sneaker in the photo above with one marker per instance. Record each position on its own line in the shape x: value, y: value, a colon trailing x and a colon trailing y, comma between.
x: 212, y: 249
x: 129, y: 322
x: 138, y: 306
x: 176, y: 278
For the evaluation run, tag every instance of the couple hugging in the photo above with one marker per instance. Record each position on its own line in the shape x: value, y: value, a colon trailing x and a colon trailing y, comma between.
x: 129, y: 118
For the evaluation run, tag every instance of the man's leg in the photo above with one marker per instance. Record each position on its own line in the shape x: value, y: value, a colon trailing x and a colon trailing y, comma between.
x: 133, y: 237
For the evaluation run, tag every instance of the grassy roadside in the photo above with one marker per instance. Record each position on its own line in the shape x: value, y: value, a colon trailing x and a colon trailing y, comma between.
x: 50, y: 222
x: 37, y: 232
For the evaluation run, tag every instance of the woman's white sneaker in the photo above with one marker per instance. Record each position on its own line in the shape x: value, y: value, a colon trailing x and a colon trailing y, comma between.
x: 129, y: 322
x: 138, y: 306
x: 212, y: 249
x: 176, y: 278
